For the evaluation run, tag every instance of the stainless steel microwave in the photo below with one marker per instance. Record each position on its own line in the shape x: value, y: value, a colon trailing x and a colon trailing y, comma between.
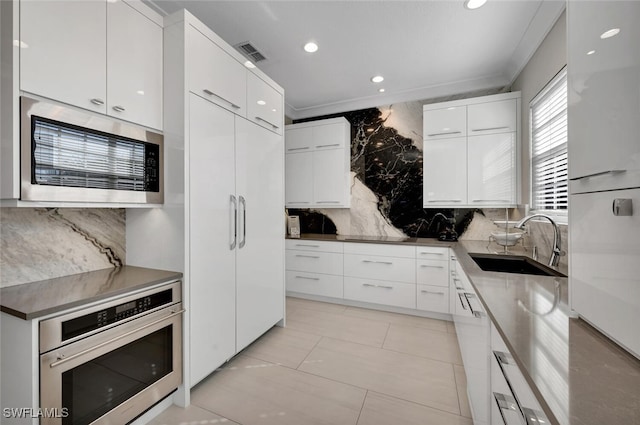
x: 72, y: 156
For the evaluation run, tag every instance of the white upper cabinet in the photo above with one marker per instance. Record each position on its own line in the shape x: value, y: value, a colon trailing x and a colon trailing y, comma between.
x: 445, y: 123
x: 478, y: 168
x: 445, y: 173
x: 492, y: 165
x: 492, y: 117
x: 264, y: 104
x: 97, y: 55
x: 134, y: 66
x: 215, y: 75
x: 66, y: 55
x: 604, y: 106
x: 318, y: 164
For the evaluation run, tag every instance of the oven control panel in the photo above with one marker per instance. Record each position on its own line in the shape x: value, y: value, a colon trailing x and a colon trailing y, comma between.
x: 122, y: 312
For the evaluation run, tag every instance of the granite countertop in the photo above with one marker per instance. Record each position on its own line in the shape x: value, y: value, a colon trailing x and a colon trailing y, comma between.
x: 37, y: 299
x: 579, y: 376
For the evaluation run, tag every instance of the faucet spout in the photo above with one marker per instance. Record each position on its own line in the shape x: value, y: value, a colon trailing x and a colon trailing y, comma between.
x: 556, y: 252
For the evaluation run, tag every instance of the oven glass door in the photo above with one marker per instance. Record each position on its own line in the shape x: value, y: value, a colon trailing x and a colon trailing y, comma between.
x: 94, y: 388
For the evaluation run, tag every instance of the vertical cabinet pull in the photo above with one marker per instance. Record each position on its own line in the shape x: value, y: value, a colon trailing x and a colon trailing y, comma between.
x: 243, y: 204
x: 234, y: 229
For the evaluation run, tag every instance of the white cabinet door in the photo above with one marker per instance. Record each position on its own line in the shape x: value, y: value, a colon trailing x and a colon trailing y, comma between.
x: 492, y: 117
x: 134, y: 66
x: 445, y: 123
x: 445, y: 172
x: 395, y: 294
x: 264, y: 104
x: 603, y: 96
x: 260, y: 252
x: 331, y: 136
x: 299, y: 179
x: 492, y: 170
x: 605, y: 271
x: 330, y: 179
x: 212, y: 259
x: 66, y: 57
x: 216, y: 75
x: 298, y: 140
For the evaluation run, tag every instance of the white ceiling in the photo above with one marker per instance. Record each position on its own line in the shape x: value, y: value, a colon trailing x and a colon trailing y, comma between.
x: 423, y: 49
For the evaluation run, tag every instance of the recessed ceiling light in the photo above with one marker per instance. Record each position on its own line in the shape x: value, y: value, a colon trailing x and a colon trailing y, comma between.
x: 474, y: 4
x: 261, y: 102
x: 249, y: 64
x: 590, y: 52
x: 311, y: 47
x: 381, y: 90
x: 610, y: 33
x: 377, y: 79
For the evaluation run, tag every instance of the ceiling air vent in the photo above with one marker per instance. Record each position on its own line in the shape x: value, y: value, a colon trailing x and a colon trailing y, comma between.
x: 251, y: 52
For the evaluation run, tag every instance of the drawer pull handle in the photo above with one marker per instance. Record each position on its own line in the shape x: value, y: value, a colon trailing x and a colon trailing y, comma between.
x: 433, y: 267
x: 534, y: 417
x: 370, y: 285
x: 307, y: 256
x: 327, y: 146
x: 444, y: 200
x: 310, y: 246
x: 210, y: 93
x: 431, y: 253
x: 97, y: 101
x: 118, y: 108
x: 477, y: 312
x: 601, y: 173
x: 424, y: 291
x: 503, y: 358
x: 377, y: 262
x: 458, y: 287
x: 328, y: 202
x: 489, y: 128
x: 297, y: 149
x: 308, y: 278
x: 444, y: 134
x: 509, y: 409
x: 464, y: 307
x: 504, y: 201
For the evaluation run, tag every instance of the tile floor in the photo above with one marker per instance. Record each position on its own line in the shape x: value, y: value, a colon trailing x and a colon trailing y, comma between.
x: 337, y: 365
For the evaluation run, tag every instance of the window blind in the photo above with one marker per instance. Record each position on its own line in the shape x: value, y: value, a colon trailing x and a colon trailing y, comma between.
x: 548, y: 118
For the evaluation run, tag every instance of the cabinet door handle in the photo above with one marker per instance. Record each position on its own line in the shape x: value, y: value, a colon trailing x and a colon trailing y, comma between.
x: 444, y: 200
x: 297, y: 149
x: 431, y: 253
x: 118, y: 108
x: 97, y: 101
x: 267, y: 121
x: 504, y: 201
x: 459, y: 288
x: 433, y: 267
x: 477, y: 312
x: 308, y: 278
x: 601, y: 173
x: 243, y: 204
x: 464, y: 307
x: 444, y: 134
x: 509, y: 409
x: 307, y: 256
x: 424, y: 291
x: 490, y: 128
x: 298, y: 202
x: 234, y: 229
x: 210, y: 93
x: 310, y: 246
x: 370, y: 285
x: 377, y: 262
x: 327, y: 146
x: 534, y: 417
x: 327, y: 202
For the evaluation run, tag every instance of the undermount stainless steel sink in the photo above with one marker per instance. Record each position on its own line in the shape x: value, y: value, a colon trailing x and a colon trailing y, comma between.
x: 513, y: 264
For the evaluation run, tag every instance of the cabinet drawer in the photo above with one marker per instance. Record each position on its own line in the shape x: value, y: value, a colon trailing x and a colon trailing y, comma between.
x: 380, y: 292
x: 492, y: 117
x: 432, y: 253
x: 325, y: 285
x: 380, y: 249
x: 432, y: 298
x: 311, y: 245
x: 314, y: 262
x: 429, y: 272
x: 445, y: 123
x: 264, y: 104
x: 381, y: 268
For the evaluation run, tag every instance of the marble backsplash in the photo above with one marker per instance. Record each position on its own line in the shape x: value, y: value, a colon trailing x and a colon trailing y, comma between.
x: 43, y: 243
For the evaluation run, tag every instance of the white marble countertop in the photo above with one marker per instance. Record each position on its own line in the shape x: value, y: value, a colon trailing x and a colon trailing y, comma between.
x: 579, y: 376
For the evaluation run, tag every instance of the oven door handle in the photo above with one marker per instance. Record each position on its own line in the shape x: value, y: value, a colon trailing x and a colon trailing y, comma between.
x: 62, y: 359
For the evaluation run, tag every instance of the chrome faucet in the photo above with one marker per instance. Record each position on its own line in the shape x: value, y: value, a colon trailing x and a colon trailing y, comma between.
x: 556, y: 252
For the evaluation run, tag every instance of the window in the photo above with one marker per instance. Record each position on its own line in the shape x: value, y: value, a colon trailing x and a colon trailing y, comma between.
x: 548, y: 118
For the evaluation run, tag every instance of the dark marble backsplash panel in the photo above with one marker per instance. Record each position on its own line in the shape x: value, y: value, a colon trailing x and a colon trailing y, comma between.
x: 43, y: 243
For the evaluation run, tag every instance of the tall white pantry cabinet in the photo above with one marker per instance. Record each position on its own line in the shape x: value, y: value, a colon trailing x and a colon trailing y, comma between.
x: 222, y: 222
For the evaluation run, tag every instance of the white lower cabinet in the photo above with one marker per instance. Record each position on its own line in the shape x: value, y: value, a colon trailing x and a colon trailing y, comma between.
x: 314, y: 268
x: 380, y: 268
x: 324, y: 285
x: 397, y: 294
x: 314, y: 262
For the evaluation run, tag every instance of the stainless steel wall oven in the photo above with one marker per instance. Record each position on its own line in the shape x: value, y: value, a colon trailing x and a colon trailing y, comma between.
x: 68, y: 155
x: 109, y: 363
